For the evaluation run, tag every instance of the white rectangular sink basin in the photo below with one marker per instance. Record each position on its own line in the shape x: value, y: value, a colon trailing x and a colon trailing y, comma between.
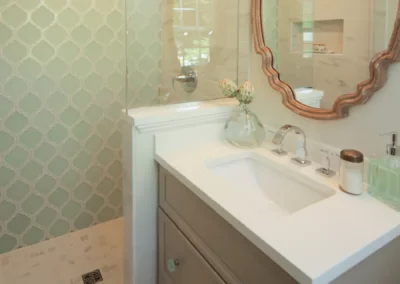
x: 283, y: 189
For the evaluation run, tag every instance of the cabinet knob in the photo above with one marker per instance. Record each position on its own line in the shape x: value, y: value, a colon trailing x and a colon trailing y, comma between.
x: 173, y: 264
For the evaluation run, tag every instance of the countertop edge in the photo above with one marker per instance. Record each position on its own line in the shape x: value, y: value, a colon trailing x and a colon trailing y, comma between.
x: 357, y: 258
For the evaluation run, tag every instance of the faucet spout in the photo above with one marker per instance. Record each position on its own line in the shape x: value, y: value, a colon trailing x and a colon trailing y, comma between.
x: 280, y: 136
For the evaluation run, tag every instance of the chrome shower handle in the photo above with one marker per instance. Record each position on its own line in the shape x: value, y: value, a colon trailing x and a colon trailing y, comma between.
x: 188, y: 78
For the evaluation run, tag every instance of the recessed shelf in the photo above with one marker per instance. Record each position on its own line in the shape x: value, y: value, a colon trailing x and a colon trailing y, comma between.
x: 320, y: 37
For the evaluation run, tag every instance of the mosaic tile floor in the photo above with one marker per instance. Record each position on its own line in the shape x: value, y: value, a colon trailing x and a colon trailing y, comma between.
x: 65, y: 259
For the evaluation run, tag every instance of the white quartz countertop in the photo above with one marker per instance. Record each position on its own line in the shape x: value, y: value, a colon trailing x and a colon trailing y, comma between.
x: 314, y: 245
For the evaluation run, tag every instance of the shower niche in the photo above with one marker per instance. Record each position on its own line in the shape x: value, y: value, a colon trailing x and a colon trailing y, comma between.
x: 318, y: 37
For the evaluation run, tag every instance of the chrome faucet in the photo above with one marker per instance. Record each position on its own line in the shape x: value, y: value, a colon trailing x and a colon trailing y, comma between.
x: 280, y: 136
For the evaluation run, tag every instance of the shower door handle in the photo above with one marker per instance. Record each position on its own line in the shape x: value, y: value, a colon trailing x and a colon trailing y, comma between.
x: 188, y: 78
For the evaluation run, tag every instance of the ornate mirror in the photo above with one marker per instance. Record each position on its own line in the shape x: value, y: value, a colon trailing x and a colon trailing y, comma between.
x: 326, y: 56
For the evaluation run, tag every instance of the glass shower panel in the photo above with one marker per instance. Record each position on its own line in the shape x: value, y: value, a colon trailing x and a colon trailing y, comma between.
x: 199, y: 48
x: 178, y: 50
x: 383, y: 19
x: 293, y: 40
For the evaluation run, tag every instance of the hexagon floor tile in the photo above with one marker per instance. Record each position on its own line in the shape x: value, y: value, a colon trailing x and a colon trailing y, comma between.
x: 65, y: 259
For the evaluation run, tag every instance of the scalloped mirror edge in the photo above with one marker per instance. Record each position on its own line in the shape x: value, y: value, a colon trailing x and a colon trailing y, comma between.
x: 378, y: 69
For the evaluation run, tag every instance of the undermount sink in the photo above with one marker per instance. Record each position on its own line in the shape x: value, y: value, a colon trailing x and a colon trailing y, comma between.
x: 283, y: 189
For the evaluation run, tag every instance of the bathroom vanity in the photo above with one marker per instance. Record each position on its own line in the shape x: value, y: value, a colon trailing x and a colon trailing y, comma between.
x: 209, y: 234
x: 197, y: 246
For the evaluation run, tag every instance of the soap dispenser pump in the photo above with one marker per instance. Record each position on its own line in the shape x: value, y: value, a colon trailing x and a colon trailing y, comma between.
x: 384, y: 174
x: 392, y: 149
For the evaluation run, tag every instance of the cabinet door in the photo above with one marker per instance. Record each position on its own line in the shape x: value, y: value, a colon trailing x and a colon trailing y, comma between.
x: 231, y: 254
x: 179, y: 261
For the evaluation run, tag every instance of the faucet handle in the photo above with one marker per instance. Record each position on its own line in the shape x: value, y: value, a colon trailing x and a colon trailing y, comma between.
x: 394, y: 135
x: 392, y: 148
x: 326, y: 171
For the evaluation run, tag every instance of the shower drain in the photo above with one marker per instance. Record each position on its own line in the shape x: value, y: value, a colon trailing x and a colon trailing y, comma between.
x: 92, y: 277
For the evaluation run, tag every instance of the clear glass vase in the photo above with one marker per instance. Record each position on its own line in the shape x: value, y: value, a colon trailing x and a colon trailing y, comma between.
x: 244, y: 129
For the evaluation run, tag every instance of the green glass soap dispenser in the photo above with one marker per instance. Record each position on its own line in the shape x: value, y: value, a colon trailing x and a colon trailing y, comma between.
x: 384, y: 175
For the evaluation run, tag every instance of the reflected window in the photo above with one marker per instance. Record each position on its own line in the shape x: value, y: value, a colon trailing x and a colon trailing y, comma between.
x: 308, y: 39
x: 308, y: 36
x: 308, y: 28
x: 193, y: 31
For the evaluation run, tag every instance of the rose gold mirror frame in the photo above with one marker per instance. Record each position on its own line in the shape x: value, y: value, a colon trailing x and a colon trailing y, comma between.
x: 378, y: 70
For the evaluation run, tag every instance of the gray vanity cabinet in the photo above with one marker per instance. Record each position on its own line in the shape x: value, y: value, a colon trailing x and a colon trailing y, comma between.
x: 202, y: 248
x: 206, y: 248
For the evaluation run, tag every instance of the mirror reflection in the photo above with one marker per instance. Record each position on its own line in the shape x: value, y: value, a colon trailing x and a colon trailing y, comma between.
x: 199, y: 47
x: 323, y: 48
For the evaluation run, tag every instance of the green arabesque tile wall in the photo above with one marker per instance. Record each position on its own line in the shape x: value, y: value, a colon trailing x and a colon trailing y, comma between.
x: 62, y: 78
x: 144, y: 25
